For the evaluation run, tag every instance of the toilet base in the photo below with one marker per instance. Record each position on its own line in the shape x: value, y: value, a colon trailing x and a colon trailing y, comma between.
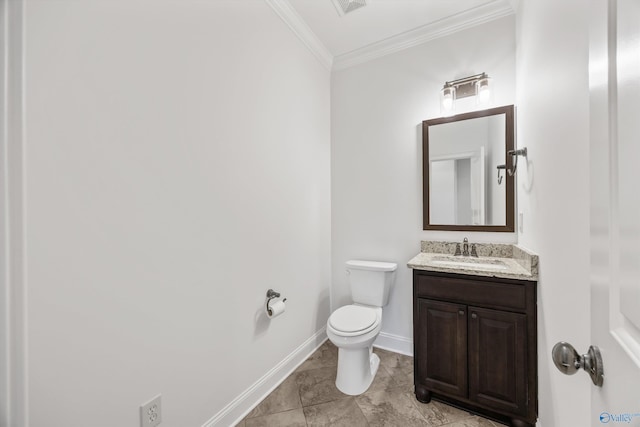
x: 357, y: 368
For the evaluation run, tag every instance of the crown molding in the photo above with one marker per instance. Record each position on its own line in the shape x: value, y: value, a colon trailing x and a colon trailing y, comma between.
x: 461, y: 21
x: 300, y: 28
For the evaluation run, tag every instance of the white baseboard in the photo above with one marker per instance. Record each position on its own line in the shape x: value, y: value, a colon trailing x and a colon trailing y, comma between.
x: 395, y: 343
x: 239, y: 407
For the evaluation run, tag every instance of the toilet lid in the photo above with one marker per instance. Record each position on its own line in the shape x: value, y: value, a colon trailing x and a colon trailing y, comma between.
x: 352, y: 318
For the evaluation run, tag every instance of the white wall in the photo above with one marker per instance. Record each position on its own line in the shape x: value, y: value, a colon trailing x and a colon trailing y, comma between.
x: 377, y: 109
x: 443, y: 195
x: 177, y: 166
x: 553, y: 190
x: 496, y: 199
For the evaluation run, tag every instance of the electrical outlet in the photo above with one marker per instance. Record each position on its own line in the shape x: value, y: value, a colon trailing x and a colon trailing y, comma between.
x: 151, y: 412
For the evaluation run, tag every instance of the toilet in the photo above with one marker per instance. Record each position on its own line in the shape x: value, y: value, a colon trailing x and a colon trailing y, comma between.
x: 353, y: 328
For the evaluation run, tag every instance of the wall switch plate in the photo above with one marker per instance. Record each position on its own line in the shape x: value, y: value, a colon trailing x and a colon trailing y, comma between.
x: 151, y: 413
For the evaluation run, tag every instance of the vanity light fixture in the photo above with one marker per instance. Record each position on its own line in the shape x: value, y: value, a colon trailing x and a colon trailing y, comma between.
x: 478, y: 85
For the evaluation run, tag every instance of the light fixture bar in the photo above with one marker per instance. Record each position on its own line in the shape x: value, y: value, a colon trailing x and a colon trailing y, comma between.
x: 466, y: 86
x: 476, y: 85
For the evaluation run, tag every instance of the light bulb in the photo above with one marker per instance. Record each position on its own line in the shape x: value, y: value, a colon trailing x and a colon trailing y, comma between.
x: 483, y: 91
x: 447, y: 102
x: 447, y: 98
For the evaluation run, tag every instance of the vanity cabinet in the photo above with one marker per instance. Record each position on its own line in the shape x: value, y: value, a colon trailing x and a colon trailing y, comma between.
x: 475, y: 344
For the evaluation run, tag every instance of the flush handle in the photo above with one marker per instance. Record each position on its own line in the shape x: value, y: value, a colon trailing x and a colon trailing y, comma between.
x: 568, y: 361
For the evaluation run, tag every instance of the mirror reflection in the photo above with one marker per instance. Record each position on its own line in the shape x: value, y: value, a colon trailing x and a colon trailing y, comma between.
x: 463, y: 157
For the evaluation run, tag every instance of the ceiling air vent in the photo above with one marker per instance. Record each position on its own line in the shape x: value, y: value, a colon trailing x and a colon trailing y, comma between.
x: 345, y: 6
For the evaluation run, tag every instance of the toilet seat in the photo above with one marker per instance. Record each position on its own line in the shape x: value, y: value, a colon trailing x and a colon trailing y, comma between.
x: 352, y: 320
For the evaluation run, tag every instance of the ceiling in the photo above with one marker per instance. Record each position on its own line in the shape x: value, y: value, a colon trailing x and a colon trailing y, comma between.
x: 385, y: 21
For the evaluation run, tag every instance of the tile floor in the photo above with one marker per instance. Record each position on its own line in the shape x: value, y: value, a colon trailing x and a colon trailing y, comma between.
x: 309, y: 398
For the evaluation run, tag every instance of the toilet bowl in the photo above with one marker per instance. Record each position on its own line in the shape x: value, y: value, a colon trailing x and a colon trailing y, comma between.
x: 357, y: 364
x: 354, y: 328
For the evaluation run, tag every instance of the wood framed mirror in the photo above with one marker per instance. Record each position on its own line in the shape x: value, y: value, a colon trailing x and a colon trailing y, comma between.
x: 465, y: 163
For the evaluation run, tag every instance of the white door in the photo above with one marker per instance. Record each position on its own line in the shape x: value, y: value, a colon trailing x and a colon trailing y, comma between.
x: 615, y: 208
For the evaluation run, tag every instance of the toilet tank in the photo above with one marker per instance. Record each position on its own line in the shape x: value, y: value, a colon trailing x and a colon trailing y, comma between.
x: 371, y: 281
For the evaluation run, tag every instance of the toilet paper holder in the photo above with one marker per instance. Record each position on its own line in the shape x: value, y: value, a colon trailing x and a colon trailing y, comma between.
x: 271, y: 294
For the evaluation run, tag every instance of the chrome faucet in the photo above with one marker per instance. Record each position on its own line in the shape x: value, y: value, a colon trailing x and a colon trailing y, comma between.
x: 474, y: 252
x: 465, y: 249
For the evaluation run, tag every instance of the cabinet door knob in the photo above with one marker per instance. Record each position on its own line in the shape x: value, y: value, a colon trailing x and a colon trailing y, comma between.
x: 461, y: 312
x: 474, y: 316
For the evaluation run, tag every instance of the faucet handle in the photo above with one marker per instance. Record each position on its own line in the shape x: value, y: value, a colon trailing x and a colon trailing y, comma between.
x: 473, y: 250
x: 458, y: 252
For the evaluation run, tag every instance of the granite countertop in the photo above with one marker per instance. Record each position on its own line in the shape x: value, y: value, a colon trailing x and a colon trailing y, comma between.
x: 494, y: 260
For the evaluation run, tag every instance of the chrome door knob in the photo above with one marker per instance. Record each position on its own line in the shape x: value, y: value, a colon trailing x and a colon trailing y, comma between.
x: 568, y: 361
x: 566, y: 358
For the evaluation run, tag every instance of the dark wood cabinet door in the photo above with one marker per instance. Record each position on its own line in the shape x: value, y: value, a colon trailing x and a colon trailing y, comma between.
x: 497, y: 359
x: 442, y: 346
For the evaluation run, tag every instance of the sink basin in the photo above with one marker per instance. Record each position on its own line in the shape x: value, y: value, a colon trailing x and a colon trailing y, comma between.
x: 473, y: 263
